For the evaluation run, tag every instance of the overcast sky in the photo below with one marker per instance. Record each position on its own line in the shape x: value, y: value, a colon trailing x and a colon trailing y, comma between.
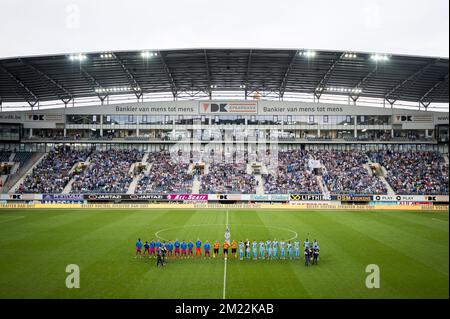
x: 31, y: 27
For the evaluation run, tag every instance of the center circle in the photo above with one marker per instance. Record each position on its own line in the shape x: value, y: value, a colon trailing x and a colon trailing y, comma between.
x: 157, y: 234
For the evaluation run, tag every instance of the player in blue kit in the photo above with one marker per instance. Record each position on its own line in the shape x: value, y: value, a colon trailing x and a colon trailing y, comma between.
x: 297, y: 249
x: 169, y: 247
x: 158, y: 245
x: 261, y: 250
x: 147, y: 248
x: 207, y: 248
x: 138, y: 248
x: 275, y: 249
x: 282, y: 249
x: 247, y: 249
x: 190, y: 249
x: 241, y: 250
x: 177, y: 248
x: 269, y: 249
x: 289, y: 250
x: 183, y: 249
x: 153, y: 248
x: 255, y: 250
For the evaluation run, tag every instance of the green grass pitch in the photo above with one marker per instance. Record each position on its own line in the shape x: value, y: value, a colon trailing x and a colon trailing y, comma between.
x: 410, y: 248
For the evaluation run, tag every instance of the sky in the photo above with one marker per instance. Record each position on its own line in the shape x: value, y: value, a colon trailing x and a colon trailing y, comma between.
x: 45, y: 27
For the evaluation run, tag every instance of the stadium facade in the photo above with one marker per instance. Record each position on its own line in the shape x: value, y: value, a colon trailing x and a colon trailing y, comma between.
x: 154, y: 126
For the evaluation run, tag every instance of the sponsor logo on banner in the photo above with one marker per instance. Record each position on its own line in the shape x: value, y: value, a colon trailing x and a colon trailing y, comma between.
x: 270, y: 197
x: 104, y: 197
x: 308, y: 197
x: 229, y: 107
x: 22, y: 196
x: 436, y: 198
x: 411, y: 198
x: 63, y: 197
x: 45, y: 117
x: 225, y: 197
x: 135, y: 197
x: 144, y: 196
x: 201, y: 197
x: 413, y: 118
x: 352, y: 198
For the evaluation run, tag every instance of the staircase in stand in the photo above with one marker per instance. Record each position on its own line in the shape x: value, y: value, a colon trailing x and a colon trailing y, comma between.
x: 35, y: 162
x: 323, y: 187
x: 68, y: 188
x: 260, y: 185
x: 195, y: 185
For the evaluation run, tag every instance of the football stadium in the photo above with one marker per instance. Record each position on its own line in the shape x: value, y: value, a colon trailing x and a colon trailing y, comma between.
x: 224, y: 174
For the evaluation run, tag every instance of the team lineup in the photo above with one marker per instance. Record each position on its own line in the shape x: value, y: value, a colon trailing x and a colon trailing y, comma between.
x: 243, y: 250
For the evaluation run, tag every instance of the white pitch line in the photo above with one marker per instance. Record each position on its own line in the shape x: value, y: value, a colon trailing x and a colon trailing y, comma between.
x: 225, y: 268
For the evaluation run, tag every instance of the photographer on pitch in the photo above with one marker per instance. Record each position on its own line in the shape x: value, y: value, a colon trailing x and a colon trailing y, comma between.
x: 160, y: 256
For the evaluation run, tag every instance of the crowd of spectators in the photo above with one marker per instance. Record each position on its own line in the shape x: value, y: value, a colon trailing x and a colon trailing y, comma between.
x: 292, y: 175
x: 227, y: 178
x: 52, y: 174
x: 109, y: 172
x: 344, y: 173
x: 408, y: 173
x: 168, y: 174
x: 413, y: 173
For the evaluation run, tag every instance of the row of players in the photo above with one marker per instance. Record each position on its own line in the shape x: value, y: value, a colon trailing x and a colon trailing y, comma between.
x: 268, y: 249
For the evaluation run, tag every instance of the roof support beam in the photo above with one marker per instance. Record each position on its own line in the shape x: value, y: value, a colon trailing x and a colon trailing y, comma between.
x: 131, y: 79
x: 169, y: 75
x: 247, y: 74
x: 437, y: 86
x: 319, y: 88
x: 68, y: 96
x: 362, y: 84
x: 22, y: 86
x: 208, y: 74
x: 283, y: 84
x: 93, y: 83
x: 410, y: 80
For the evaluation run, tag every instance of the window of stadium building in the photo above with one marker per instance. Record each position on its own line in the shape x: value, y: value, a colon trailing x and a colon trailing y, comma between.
x: 119, y: 119
x: 10, y: 132
x: 77, y: 134
x: 154, y: 119
x: 45, y: 133
x: 190, y: 120
x: 297, y: 119
x: 373, y: 119
x: 335, y: 119
x: 83, y: 119
x: 229, y: 119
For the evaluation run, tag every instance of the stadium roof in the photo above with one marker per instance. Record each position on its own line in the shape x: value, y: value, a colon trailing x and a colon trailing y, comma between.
x: 66, y: 77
